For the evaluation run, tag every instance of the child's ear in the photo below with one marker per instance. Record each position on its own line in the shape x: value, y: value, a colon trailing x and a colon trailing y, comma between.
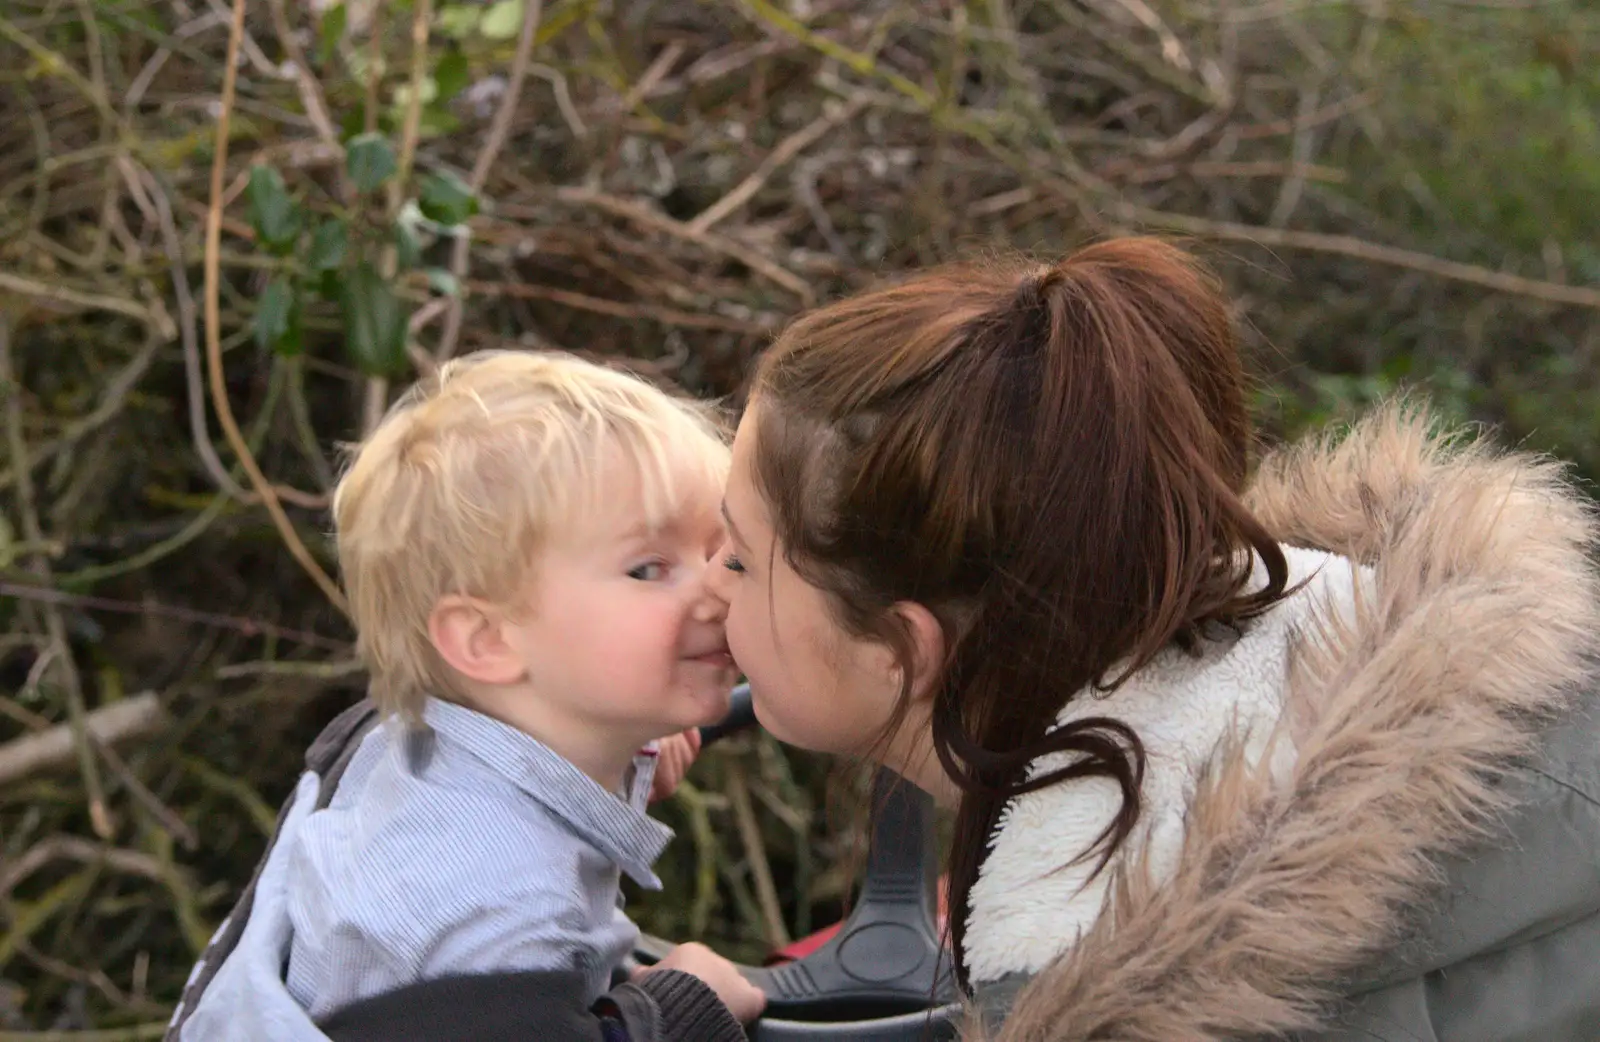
x: 471, y: 638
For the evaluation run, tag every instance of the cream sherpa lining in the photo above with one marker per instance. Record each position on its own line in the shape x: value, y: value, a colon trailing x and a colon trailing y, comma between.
x: 1480, y: 621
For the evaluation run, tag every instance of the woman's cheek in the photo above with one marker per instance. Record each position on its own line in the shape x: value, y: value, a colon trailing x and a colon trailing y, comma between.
x: 733, y: 628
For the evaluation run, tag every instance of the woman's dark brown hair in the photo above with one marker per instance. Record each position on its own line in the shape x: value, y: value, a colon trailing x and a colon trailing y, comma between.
x: 1049, y: 459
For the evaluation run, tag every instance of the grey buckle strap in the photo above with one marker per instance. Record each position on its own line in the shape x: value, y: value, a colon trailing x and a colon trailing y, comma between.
x: 327, y: 758
x: 334, y: 748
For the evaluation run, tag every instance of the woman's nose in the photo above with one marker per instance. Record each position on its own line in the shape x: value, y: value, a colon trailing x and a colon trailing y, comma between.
x: 709, y: 606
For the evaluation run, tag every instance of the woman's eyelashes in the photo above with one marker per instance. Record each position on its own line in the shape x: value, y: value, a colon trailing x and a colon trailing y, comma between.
x: 732, y: 563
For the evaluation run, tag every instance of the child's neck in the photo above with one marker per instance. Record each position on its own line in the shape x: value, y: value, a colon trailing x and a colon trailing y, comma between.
x: 603, y: 754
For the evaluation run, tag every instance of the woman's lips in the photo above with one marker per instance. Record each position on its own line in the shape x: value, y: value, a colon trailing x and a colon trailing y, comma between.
x: 722, y: 658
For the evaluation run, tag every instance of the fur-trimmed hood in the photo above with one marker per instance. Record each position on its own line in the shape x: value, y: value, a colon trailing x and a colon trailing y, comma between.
x: 1476, y: 623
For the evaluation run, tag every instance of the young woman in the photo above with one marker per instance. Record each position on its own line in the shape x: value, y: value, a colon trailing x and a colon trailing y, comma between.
x: 1309, y: 751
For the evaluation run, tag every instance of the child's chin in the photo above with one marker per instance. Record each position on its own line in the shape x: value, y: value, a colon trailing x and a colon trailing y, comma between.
x: 711, y: 704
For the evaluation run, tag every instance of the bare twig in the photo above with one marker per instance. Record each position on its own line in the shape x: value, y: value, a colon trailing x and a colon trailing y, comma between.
x: 237, y: 623
x: 1361, y: 249
x: 744, y: 815
x: 187, y: 320
x: 1171, y: 48
x: 261, y: 815
x: 803, y: 180
x: 1163, y: 70
x: 1257, y: 168
x: 786, y: 150
x: 41, y: 169
x: 72, y: 848
x: 138, y: 1033
x: 94, y: 978
x: 1327, y: 114
x: 151, y: 554
x: 377, y: 391
x: 247, y: 44
x: 164, y: 816
x: 500, y: 123
x: 59, y: 66
x: 707, y: 850
x: 112, y: 401
x: 219, y: 388
x: 305, y: 432
x: 369, y: 111
x: 650, y: 217
x: 1300, y: 158
x: 26, y: 717
x: 600, y: 305
x: 141, y: 83
x: 334, y: 670
x: 119, y: 721
x: 563, y: 96
x: 76, y: 732
x: 310, y: 90
x: 45, y: 658
x: 108, y: 130
x: 499, y: 130
x: 59, y: 294
x: 653, y: 75
x: 707, y: 68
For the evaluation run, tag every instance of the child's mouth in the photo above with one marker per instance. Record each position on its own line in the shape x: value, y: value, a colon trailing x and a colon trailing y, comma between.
x: 719, y: 657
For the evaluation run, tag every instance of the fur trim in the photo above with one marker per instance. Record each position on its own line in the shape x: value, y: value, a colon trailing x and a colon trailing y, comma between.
x: 1481, y: 622
x: 1028, y: 904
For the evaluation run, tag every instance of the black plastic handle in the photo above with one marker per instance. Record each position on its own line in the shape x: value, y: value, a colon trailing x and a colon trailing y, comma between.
x: 886, y: 960
x: 741, y: 717
x: 883, y: 977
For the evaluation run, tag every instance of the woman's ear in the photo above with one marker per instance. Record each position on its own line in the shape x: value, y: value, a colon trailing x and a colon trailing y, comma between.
x: 928, y: 647
x: 473, y: 640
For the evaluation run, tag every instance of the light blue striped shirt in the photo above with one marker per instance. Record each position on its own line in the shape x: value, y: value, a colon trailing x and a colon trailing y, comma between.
x: 463, y: 847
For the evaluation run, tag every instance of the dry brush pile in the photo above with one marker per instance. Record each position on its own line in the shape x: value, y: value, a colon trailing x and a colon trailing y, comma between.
x: 231, y: 229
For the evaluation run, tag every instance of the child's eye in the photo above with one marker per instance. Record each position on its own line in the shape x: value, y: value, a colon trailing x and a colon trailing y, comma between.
x: 732, y: 564
x: 650, y: 571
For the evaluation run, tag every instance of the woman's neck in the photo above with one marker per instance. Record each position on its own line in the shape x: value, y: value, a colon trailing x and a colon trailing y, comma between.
x: 911, y: 755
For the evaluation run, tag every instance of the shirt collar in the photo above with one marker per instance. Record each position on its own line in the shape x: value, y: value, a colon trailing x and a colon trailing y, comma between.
x: 619, y: 828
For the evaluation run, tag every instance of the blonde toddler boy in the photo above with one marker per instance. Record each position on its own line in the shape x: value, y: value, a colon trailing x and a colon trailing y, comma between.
x: 524, y: 540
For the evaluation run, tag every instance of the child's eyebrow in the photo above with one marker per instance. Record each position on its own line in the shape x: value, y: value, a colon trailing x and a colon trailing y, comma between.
x: 644, y: 532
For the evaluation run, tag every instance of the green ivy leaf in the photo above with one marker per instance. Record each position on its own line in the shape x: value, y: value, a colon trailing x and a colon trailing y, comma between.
x: 330, y: 284
x: 273, y: 214
x: 502, y: 20
x: 352, y: 123
x: 452, y: 74
x: 446, y: 199
x: 443, y: 282
x: 428, y: 91
x: 458, y: 20
x: 437, y: 121
x: 370, y: 161
x: 328, y: 245
x: 408, y: 247
x: 331, y: 32
x: 374, y: 322
x: 277, y: 319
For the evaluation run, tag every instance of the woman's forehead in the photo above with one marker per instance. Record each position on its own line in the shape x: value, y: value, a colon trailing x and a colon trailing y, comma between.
x: 742, y: 505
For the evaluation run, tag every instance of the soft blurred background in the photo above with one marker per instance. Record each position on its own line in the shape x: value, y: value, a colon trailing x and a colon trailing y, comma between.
x: 1400, y: 193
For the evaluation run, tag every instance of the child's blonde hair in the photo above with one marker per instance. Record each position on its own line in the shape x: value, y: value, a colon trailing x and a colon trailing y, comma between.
x: 471, y: 473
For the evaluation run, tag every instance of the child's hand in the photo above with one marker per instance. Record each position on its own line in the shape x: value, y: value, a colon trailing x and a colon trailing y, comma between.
x: 743, y: 999
x: 675, y: 754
